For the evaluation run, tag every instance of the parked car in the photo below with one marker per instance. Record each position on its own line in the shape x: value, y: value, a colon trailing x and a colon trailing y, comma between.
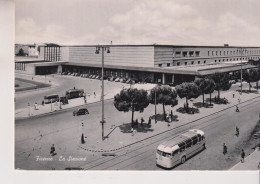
x: 82, y: 111
x: 117, y: 79
x: 123, y: 80
x: 112, y: 78
x: 97, y: 77
x: 128, y: 81
x: 90, y: 76
x: 93, y: 77
x: 64, y: 73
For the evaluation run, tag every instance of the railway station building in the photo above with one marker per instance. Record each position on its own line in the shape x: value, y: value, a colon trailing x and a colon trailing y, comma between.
x: 146, y: 63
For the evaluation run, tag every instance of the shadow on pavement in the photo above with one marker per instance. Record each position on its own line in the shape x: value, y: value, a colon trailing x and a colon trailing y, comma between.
x: 218, y: 100
x: 159, y: 117
x: 190, y: 110
x: 126, y: 128
x: 200, y: 105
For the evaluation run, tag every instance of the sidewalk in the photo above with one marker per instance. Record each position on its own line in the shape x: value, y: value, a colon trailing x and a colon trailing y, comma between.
x: 251, y: 162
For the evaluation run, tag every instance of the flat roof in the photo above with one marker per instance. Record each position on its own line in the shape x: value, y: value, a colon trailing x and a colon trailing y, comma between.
x: 200, y: 70
x: 162, y: 45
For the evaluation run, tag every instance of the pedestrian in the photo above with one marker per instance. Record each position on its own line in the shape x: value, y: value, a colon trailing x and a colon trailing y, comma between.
x: 52, y: 150
x: 225, y: 100
x: 233, y: 94
x: 258, y: 165
x: 171, y: 116
x: 237, y: 131
x: 237, y: 109
x: 142, y: 121
x: 43, y: 103
x: 224, y: 148
x: 74, y: 87
x: 136, y: 123
x: 35, y: 106
x: 149, y: 121
x: 95, y: 94
x: 242, y: 156
x: 239, y: 100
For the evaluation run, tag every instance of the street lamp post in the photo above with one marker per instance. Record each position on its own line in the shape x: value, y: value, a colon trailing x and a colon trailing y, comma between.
x: 29, y: 109
x: 155, y: 106
x: 103, y: 48
x: 241, y: 51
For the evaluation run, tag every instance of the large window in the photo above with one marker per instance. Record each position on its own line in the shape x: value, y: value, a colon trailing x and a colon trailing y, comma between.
x: 197, y: 53
x: 191, y: 53
x: 177, y: 54
x: 184, y: 54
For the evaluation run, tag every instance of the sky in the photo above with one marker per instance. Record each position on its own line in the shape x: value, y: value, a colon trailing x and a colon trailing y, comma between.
x: 171, y: 22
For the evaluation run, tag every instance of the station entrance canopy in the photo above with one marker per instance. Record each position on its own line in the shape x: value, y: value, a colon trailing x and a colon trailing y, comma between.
x: 195, y: 70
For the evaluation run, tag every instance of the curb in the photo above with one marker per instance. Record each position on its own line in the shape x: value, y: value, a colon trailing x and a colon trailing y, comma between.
x: 162, y: 132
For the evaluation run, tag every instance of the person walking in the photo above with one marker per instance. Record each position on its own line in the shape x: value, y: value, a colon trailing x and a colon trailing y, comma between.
x: 237, y: 109
x: 237, y: 131
x: 171, y: 116
x: 233, y: 95
x: 136, y: 123
x: 242, y: 156
x: 149, y: 121
x: 224, y: 149
x: 142, y: 121
x: 52, y: 150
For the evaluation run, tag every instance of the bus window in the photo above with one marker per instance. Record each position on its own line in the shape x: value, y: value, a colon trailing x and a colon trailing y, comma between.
x: 199, y: 137
x: 188, y: 143
x: 194, y: 140
x: 166, y: 154
x: 182, y: 146
x: 175, y: 152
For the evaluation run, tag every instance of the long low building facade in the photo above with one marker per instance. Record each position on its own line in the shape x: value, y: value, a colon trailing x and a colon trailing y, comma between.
x: 145, y: 63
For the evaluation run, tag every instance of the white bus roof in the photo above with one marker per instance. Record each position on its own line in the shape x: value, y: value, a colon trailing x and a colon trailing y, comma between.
x: 172, y: 144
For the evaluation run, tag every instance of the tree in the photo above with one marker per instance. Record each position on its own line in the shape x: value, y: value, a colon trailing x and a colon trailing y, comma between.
x: 206, y: 86
x: 221, y: 81
x: 211, y: 87
x: 251, y: 76
x: 131, y: 99
x: 21, y: 52
x: 165, y: 95
x: 258, y: 76
x: 188, y: 90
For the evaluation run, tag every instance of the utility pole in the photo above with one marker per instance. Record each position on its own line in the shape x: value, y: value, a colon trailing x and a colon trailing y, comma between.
x: 155, y: 107
x: 103, y: 48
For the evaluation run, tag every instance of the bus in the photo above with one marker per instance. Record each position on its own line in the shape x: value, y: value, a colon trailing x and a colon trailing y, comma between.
x: 51, y: 98
x: 74, y: 93
x: 178, y: 149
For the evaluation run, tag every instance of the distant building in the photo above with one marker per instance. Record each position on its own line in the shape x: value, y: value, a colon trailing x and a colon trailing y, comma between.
x: 28, y: 49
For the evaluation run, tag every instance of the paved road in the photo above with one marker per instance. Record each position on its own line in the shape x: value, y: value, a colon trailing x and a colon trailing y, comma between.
x: 34, y: 136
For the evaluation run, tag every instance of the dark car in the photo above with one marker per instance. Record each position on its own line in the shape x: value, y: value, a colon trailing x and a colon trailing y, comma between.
x: 82, y: 111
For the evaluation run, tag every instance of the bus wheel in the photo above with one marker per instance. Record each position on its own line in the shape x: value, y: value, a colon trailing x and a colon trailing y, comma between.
x: 183, y: 159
